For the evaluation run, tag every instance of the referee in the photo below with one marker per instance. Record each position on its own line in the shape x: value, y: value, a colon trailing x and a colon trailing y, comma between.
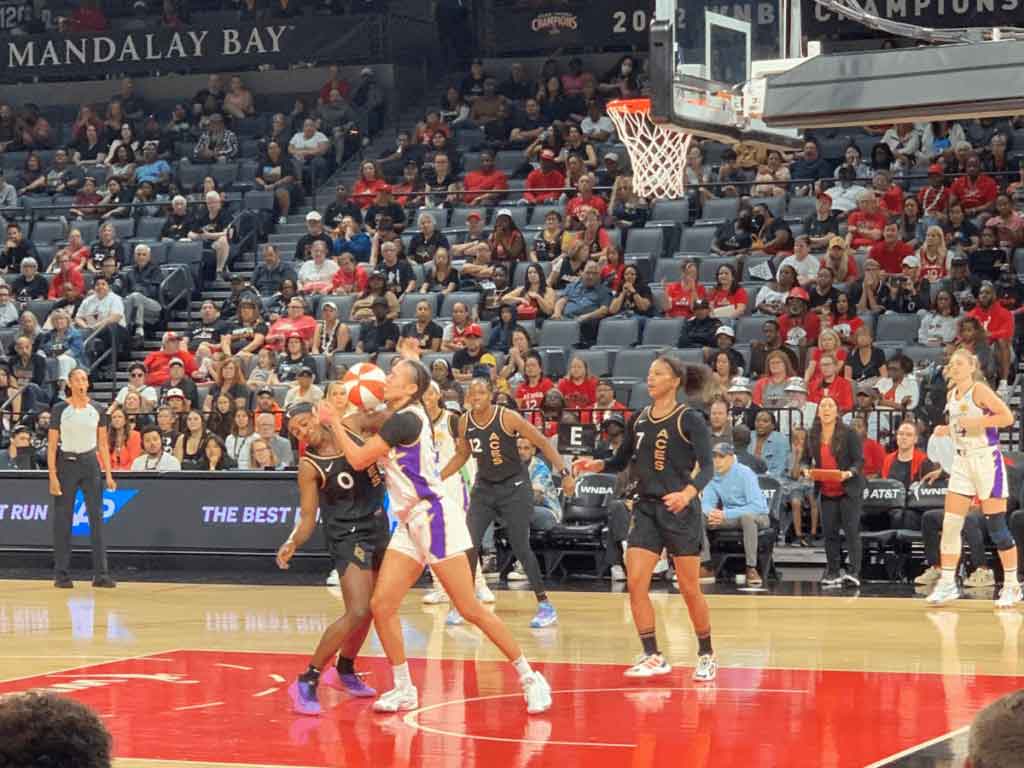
x: 79, y: 427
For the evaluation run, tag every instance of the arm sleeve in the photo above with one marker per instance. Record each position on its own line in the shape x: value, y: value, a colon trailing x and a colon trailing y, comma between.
x: 401, y: 429
x: 697, y: 432
x: 621, y: 459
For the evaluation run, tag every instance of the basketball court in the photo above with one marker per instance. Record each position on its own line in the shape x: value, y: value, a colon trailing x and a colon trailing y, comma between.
x: 189, y: 675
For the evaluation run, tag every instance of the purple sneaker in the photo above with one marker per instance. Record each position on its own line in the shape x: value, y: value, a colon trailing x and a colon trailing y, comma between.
x: 303, y: 696
x: 350, y: 683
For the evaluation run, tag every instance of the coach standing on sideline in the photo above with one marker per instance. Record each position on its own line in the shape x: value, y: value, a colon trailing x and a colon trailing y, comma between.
x: 78, y: 428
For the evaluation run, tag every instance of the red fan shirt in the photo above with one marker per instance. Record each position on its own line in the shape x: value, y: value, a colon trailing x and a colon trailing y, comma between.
x: 579, y: 396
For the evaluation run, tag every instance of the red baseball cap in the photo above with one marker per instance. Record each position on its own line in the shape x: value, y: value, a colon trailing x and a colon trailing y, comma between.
x: 474, y: 215
x: 936, y: 168
x: 473, y: 330
x: 799, y: 293
x: 547, y: 154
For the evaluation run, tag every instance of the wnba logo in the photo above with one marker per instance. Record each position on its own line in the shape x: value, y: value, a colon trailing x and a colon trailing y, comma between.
x: 113, y: 502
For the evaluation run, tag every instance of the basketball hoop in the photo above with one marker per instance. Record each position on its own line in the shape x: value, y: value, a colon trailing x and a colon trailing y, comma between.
x: 657, y: 151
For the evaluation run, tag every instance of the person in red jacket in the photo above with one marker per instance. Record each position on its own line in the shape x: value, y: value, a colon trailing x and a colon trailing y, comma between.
x: 798, y: 327
x: 158, y: 363
x: 908, y: 463
x: 530, y: 394
x: 548, y: 179
x: 579, y: 389
x: 998, y: 324
x: 681, y: 296
x: 891, y: 250
x: 828, y: 382
x: 874, y: 453
x: 67, y: 273
x: 976, y: 191
x: 479, y: 184
x: 865, y: 225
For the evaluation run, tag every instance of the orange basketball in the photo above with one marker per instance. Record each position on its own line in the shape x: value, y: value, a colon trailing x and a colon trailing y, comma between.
x: 364, y: 384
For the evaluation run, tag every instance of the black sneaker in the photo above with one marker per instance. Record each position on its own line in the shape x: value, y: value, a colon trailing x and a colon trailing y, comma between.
x: 831, y: 581
x: 103, y: 581
x: 63, y: 582
x: 850, y: 580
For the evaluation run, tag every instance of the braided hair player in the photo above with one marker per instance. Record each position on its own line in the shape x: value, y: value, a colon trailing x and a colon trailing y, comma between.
x: 976, y: 414
x: 356, y: 529
x: 431, y: 531
x: 667, y: 448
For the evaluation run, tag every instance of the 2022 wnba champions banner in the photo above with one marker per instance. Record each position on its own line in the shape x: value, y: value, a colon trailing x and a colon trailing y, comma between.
x: 337, y: 39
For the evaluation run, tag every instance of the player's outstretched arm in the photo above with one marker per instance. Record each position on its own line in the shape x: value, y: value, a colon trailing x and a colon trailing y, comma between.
x: 514, y: 423
x: 309, y: 500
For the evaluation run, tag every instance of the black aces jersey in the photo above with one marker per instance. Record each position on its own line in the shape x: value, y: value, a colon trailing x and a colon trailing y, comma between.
x: 659, y: 458
x: 495, y: 451
x: 347, y: 497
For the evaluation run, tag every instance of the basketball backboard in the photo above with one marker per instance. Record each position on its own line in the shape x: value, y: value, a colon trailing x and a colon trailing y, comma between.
x: 707, y: 90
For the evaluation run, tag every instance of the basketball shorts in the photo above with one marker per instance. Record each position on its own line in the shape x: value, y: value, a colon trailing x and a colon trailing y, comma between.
x: 436, y: 531
x: 979, y: 472
x: 363, y: 545
x: 654, y: 527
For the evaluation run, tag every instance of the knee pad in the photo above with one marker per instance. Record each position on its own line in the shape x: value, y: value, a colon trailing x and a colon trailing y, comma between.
x: 999, y: 532
x: 952, y: 527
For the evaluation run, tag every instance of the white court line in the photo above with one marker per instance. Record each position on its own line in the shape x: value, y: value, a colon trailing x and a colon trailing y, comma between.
x: 199, y: 706
x: 923, y: 745
x: 233, y: 666
x: 410, y: 719
x: 267, y: 692
x: 277, y: 678
x: 82, y: 666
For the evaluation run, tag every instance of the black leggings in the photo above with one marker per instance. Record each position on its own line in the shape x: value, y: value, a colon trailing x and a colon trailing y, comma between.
x: 511, y: 502
x: 841, y: 513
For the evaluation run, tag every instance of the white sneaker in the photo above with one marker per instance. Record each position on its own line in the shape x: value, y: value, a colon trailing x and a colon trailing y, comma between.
x: 537, y: 693
x: 649, y: 666
x: 398, y: 699
x: 517, y: 573
x: 1009, y: 596
x: 454, y: 618
x: 435, y: 597
x: 944, y: 592
x: 929, y: 577
x: 982, y: 577
x: 706, y: 668
x: 484, y: 593
x: 660, y: 567
x: 333, y: 580
x: 618, y: 573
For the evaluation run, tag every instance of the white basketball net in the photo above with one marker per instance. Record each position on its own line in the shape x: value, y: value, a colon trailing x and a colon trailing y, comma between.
x: 657, y: 151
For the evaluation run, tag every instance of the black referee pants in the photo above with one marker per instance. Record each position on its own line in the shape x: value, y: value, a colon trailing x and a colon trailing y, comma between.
x: 511, y: 502
x: 78, y: 472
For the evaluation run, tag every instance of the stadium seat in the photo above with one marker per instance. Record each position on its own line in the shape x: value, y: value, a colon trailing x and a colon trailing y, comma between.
x: 647, y: 240
x: 708, y: 268
x: 896, y: 327
x: 615, y: 333
x: 720, y: 208
x: 598, y: 360
x: 697, y: 240
x: 48, y: 231
x: 748, y: 327
x: 632, y: 364
x: 123, y: 228
x: 149, y: 227
x: 676, y: 211
x: 580, y: 535
x: 559, y: 333
x: 662, y: 332
x: 409, y: 301
x: 472, y: 300
x: 668, y: 270
x: 258, y: 200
